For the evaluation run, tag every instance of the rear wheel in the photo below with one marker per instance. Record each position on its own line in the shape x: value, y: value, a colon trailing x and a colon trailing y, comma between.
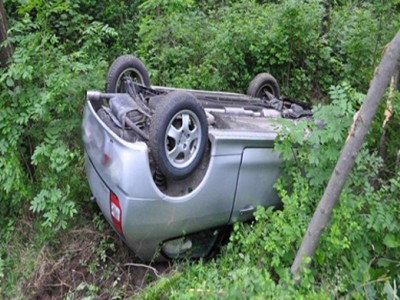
x: 126, y: 66
x: 178, y: 134
x: 262, y: 85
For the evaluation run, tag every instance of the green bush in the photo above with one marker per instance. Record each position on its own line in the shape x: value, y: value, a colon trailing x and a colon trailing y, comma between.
x: 224, y: 47
x: 42, y: 93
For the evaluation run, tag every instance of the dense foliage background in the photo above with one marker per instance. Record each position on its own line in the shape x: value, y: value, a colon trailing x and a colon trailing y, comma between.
x: 320, y: 52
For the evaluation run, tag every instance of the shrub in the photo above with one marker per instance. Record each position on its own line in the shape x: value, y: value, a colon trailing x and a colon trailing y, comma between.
x: 42, y: 93
x: 223, y: 47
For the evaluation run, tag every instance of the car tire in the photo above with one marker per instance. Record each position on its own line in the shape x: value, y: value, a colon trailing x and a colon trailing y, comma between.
x: 178, y: 134
x: 126, y: 65
x: 263, y: 82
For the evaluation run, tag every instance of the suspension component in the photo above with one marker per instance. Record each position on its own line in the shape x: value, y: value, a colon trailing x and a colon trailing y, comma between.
x: 160, y: 180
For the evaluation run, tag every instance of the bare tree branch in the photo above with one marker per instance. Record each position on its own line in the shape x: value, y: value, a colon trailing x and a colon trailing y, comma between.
x: 144, y: 266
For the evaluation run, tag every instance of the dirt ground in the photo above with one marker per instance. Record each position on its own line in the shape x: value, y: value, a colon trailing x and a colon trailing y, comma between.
x: 89, y: 262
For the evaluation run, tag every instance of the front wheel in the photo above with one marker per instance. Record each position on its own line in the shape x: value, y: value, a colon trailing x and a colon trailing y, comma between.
x: 126, y: 66
x: 262, y: 85
x: 178, y: 134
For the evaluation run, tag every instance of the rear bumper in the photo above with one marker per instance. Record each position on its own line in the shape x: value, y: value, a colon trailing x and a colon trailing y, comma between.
x: 137, y: 236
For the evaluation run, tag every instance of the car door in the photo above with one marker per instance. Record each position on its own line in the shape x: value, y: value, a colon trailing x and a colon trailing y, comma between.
x: 258, y: 173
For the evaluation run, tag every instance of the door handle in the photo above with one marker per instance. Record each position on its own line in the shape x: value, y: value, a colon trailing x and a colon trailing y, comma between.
x: 247, y: 210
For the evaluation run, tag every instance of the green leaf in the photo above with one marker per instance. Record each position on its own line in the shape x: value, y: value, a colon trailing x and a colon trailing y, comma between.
x: 392, y: 241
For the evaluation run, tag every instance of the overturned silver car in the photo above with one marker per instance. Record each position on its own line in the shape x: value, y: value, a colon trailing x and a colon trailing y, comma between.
x: 170, y: 168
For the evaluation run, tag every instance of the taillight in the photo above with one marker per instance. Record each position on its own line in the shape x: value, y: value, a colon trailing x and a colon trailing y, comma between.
x: 116, y: 212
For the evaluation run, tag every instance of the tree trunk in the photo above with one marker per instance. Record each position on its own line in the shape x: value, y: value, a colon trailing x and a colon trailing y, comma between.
x: 347, y: 156
x: 5, y: 52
